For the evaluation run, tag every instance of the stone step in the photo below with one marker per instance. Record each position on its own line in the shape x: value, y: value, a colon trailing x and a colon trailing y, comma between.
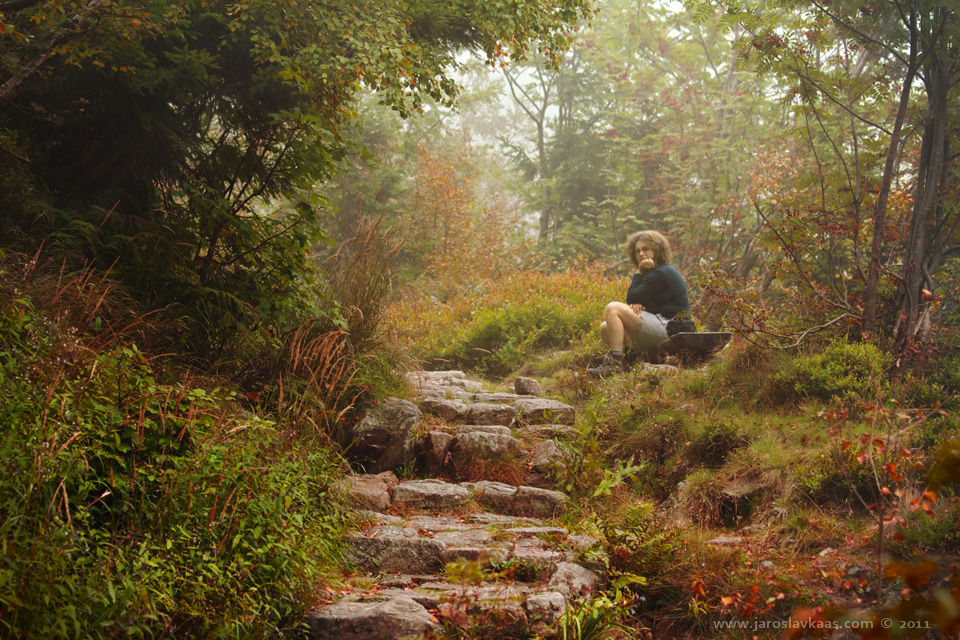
x: 381, y: 492
x: 518, y: 501
x: 496, y: 408
x: 493, y: 452
x: 395, y: 613
x: 425, y: 544
x: 531, y: 569
x: 392, y: 619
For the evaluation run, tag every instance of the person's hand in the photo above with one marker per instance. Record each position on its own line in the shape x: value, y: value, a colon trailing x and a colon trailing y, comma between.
x: 645, y: 265
x: 636, y: 308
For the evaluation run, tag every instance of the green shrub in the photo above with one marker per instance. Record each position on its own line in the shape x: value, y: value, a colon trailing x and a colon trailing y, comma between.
x: 712, y: 442
x: 923, y: 534
x: 948, y: 377
x: 137, y: 508
x: 849, y: 374
x: 636, y: 545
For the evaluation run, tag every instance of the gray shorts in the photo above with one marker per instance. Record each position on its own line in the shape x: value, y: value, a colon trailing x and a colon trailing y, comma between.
x: 651, y: 332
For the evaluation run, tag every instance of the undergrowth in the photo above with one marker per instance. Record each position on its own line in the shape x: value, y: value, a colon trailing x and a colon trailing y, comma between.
x: 138, y: 498
x: 494, y: 328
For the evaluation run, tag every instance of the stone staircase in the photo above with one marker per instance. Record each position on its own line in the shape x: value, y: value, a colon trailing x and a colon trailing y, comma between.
x: 473, y: 547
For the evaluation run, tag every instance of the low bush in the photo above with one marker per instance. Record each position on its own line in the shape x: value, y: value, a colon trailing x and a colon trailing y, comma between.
x: 636, y: 544
x: 711, y: 442
x: 843, y: 373
x: 922, y: 534
x: 137, y: 507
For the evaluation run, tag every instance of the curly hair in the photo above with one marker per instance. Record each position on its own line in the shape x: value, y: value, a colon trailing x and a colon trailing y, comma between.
x: 661, y: 247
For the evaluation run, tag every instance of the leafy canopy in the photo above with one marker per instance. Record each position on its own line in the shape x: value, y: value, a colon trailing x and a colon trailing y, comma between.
x: 164, y: 136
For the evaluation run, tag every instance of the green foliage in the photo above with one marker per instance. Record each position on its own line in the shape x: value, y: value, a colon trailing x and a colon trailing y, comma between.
x: 711, y: 442
x: 742, y: 374
x: 844, y: 373
x: 637, y: 545
x: 595, y: 618
x: 495, y: 327
x: 922, y: 533
x: 327, y: 367
x: 178, y: 145
x: 139, y: 508
x: 948, y: 375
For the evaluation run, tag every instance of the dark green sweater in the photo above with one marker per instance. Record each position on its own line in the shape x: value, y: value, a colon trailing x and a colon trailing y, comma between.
x: 661, y: 291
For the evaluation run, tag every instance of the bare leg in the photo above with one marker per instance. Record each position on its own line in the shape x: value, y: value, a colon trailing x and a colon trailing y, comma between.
x: 620, y: 325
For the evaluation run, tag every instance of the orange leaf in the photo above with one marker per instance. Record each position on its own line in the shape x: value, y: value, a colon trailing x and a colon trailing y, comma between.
x: 916, y: 576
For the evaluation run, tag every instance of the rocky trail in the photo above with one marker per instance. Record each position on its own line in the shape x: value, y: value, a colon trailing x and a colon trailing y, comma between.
x: 471, y: 540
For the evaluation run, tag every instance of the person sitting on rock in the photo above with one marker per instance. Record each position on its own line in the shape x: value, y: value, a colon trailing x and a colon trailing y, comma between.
x: 657, y: 295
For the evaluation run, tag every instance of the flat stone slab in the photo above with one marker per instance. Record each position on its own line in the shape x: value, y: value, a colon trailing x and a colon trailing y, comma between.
x: 533, y: 532
x: 395, y: 580
x: 498, y: 397
x: 425, y: 598
x: 495, y: 429
x: 505, y: 603
x: 448, y: 393
x: 550, y: 431
x: 544, y: 410
x: 434, y: 524
x: 430, y: 494
x: 496, y: 519
x: 442, y: 379
x: 489, y: 413
x: 517, y: 501
x: 469, y: 538
x: 394, y: 619
x: 380, y: 518
x: 722, y: 541
x: 444, y: 408
x: 367, y: 491
x: 539, y: 557
x: 478, y: 445
x: 573, y: 581
x: 391, y: 531
x: 394, y: 554
x: 474, y: 554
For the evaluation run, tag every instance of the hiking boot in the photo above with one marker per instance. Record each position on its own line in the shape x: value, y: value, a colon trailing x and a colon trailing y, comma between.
x: 611, y: 365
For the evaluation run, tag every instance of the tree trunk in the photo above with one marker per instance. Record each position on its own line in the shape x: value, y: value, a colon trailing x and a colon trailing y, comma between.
x: 924, y: 212
x: 880, y: 210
